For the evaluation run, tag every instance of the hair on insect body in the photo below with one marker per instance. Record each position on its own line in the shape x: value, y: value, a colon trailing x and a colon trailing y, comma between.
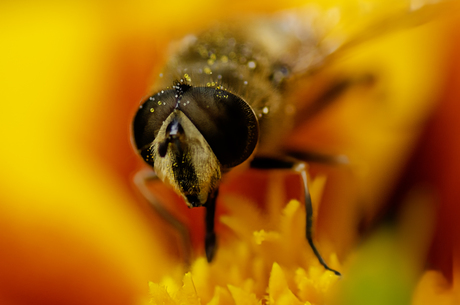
x: 224, y: 98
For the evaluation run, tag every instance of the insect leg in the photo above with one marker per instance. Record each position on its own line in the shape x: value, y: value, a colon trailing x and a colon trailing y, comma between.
x: 300, y: 168
x: 140, y: 179
x: 310, y: 156
x: 210, y: 241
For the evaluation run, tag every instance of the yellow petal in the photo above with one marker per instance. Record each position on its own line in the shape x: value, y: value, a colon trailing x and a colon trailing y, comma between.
x: 187, y: 293
x: 278, y: 290
x: 159, y: 294
x: 433, y: 288
x: 242, y: 297
x: 221, y: 297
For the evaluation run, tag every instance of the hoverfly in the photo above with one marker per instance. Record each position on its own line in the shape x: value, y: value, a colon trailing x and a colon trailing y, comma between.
x: 223, y: 99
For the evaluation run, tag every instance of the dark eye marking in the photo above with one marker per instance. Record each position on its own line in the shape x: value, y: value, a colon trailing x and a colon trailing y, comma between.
x: 225, y: 120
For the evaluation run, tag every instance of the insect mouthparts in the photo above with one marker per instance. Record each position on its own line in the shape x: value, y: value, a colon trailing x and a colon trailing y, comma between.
x: 193, y: 200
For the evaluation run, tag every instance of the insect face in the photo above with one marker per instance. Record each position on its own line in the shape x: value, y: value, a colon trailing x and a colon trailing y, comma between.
x: 190, y: 135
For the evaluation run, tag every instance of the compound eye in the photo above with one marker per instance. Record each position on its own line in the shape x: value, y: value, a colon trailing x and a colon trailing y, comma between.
x: 149, y: 118
x: 225, y: 120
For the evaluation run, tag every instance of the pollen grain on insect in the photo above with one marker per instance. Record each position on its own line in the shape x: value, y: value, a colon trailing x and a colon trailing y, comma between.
x: 211, y: 59
x: 207, y: 70
x: 152, y: 109
x: 187, y: 77
x: 265, y: 110
x: 251, y: 64
x: 151, y: 98
x: 159, y: 103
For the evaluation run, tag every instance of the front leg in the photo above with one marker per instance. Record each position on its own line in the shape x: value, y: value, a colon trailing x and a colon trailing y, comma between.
x: 141, y: 179
x: 300, y: 168
x: 210, y: 242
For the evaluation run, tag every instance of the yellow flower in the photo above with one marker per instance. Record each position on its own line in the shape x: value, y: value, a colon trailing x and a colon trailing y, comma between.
x: 262, y: 256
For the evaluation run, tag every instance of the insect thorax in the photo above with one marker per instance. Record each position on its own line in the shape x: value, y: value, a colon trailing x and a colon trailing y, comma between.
x: 228, y: 59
